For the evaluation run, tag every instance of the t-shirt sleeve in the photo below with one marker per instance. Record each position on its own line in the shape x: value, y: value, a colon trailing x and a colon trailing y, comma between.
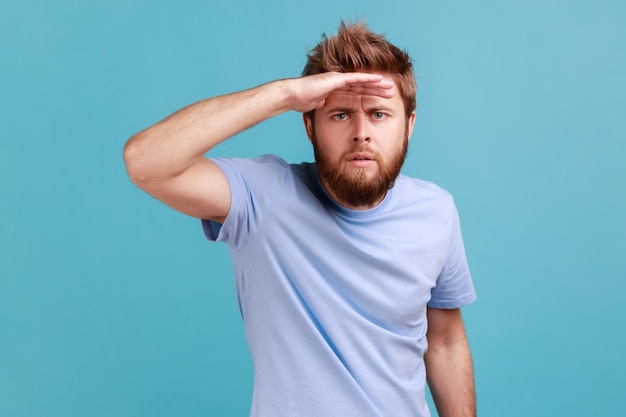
x: 254, y: 184
x: 454, y: 287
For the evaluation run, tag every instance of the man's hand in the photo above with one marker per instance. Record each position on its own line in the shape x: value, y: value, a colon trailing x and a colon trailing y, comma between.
x: 309, y: 93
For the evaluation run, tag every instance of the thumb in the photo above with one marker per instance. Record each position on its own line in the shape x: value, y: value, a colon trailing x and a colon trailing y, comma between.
x: 320, y: 104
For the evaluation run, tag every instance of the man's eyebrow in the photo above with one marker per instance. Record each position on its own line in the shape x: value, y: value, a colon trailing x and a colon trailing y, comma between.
x: 378, y: 107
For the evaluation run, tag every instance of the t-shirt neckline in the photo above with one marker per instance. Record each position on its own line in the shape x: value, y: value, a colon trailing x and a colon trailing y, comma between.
x: 342, y: 210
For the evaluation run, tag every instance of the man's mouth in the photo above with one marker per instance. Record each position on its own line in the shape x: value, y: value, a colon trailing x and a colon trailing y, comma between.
x: 361, y: 156
x: 361, y: 159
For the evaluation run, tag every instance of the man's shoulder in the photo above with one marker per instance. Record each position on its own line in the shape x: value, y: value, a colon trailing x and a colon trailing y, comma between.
x: 261, y: 159
x: 267, y: 164
x: 411, y: 186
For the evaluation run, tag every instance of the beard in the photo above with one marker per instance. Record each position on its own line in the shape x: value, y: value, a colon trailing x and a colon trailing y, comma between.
x: 358, y: 187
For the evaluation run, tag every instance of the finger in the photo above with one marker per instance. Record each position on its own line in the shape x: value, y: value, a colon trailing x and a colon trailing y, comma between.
x: 365, y: 90
x: 362, y: 77
x: 370, y: 90
x: 343, y: 79
x: 382, y: 85
x: 371, y: 84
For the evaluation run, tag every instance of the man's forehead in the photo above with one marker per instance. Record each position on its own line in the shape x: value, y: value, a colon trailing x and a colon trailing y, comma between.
x: 357, y: 101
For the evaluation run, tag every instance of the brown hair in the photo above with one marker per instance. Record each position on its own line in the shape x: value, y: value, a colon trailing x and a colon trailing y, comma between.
x: 356, y: 48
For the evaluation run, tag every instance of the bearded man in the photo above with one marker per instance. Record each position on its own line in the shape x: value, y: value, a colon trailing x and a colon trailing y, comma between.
x: 349, y: 275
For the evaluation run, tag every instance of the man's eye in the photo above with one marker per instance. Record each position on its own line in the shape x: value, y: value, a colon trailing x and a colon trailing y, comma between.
x: 341, y: 116
x: 379, y: 115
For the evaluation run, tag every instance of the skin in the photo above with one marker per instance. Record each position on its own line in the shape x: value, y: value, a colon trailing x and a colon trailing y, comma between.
x: 350, y: 128
x: 449, y: 364
x: 167, y: 161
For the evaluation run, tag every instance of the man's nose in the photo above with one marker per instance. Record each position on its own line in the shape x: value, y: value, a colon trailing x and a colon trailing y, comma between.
x: 361, y: 126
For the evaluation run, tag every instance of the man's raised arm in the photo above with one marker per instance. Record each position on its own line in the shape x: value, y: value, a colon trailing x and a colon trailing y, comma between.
x: 167, y: 159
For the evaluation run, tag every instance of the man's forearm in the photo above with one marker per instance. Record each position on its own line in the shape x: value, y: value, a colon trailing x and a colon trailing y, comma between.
x: 451, y: 379
x: 172, y: 145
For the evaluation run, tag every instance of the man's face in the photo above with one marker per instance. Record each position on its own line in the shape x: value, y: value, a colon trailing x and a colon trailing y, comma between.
x: 360, y: 143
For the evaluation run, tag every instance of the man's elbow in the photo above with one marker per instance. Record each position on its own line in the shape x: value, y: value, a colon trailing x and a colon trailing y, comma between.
x: 135, y: 163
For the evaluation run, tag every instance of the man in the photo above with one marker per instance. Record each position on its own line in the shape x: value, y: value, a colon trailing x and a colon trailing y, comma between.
x: 339, y: 264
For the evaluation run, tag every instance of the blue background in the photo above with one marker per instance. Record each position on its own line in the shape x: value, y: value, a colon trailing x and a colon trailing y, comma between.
x: 114, y: 305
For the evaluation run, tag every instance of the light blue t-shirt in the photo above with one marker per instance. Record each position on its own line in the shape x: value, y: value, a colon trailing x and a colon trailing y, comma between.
x: 334, y: 300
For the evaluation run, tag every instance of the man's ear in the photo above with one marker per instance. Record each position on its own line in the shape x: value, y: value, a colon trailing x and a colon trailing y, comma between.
x: 308, y: 124
x: 410, y: 125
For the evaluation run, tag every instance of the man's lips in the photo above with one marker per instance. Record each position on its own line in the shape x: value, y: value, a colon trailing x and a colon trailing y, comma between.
x: 361, y: 159
x: 361, y: 156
